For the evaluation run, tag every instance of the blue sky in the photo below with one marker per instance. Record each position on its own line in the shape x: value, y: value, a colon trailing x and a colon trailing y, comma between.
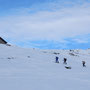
x: 46, y: 24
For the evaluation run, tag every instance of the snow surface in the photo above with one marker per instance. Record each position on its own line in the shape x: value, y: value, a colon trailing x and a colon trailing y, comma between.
x: 35, y: 69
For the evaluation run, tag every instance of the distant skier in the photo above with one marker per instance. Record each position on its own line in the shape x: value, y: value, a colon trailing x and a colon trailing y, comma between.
x: 57, y: 61
x: 83, y: 62
x: 65, y: 61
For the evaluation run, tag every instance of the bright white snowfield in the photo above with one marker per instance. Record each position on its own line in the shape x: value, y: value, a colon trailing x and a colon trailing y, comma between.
x: 34, y: 69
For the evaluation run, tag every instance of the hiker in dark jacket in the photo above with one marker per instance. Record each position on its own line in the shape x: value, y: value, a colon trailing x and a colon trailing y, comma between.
x: 65, y: 61
x: 57, y: 59
x: 83, y: 62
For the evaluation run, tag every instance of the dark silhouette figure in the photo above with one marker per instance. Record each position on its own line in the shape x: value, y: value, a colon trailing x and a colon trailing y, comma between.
x: 83, y: 62
x: 65, y: 61
x: 57, y: 59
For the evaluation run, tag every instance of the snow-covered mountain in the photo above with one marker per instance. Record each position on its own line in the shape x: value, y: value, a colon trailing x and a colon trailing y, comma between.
x: 35, y: 69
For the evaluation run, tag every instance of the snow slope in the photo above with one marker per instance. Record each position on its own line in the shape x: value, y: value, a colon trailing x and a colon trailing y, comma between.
x: 34, y: 69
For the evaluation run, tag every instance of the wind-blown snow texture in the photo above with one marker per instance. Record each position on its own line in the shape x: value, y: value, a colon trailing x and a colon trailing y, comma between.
x: 34, y: 69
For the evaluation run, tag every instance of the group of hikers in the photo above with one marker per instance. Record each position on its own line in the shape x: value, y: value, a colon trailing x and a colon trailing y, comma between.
x: 65, y: 61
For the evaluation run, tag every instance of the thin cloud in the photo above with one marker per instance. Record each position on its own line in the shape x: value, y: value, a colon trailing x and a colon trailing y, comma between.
x: 47, y: 25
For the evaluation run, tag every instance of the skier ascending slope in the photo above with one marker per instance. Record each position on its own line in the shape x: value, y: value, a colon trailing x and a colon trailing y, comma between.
x: 65, y: 61
x: 83, y: 62
x: 57, y: 61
